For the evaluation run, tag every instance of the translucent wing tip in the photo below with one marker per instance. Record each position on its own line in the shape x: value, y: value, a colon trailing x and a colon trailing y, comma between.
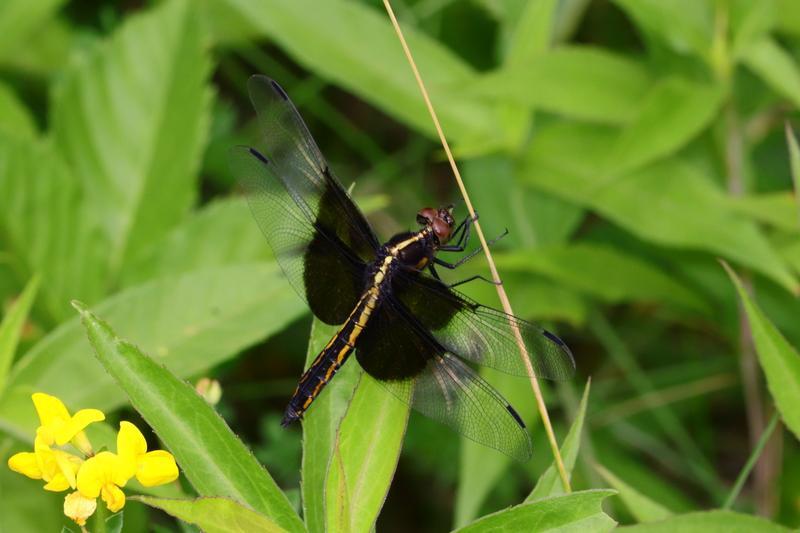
x: 259, y: 82
x: 566, y: 351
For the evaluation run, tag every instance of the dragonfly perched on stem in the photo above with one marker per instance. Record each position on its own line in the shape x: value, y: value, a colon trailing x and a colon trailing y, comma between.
x: 409, y: 330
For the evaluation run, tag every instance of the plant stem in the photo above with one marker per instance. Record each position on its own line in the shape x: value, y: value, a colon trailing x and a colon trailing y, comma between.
x: 495, y: 275
x: 751, y: 461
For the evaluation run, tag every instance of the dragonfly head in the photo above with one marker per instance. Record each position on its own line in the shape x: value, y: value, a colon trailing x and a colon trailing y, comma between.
x: 439, y: 220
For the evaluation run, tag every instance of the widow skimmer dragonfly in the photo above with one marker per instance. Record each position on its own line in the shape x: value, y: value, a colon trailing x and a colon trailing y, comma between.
x: 412, y: 332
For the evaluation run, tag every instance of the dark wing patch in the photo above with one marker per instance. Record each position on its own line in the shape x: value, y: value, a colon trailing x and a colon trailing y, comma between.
x: 481, y: 334
x: 321, y: 269
x: 417, y: 370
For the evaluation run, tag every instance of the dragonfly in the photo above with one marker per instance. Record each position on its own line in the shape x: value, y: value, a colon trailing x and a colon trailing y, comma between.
x: 416, y: 335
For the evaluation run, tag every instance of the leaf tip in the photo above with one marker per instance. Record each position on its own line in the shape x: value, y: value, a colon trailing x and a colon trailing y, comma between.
x: 79, y: 306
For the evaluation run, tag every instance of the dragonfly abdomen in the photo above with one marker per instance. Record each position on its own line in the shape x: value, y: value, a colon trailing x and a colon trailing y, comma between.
x: 329, y: 360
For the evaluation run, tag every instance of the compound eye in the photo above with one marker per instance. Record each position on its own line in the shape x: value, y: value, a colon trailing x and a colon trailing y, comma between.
x: 442, y: 230
x: 425, y: 216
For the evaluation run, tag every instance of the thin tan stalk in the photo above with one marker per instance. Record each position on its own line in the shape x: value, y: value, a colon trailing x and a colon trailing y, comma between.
x: 495, y: 275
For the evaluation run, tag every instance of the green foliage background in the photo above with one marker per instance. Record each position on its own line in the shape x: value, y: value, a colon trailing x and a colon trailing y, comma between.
x: 627, y: 145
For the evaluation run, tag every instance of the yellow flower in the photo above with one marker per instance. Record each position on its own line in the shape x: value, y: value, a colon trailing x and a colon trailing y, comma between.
x: 103, y: 475
x: 57, y: 424
x: 79, y: 508
x: 57, y: 467
x: 150, y: 468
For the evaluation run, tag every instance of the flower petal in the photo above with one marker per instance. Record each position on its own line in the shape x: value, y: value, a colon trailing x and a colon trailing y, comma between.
x: 156, y: 468
x: 49, y: 408
x: 79, y: 508
x: 68, y: 466
x: 113, y: 496
x: 130, y: 442
x: 94, y: 473
x: 76, y: 424
x: 25, y: 463
x: 57, y: 484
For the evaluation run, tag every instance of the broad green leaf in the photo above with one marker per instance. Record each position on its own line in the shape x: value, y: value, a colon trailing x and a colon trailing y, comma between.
x: 576, y: 81
x: 672, y: 203
x: 549, y: 483
x: 708, y: 522
x: 15, y: 119
x: 45, y: 226
x: 749, y: 21
x: 775, y: 66
x: 777, y: 209
x: 671, y: 115
x: 113, y: 523
x: 604, y: 272
x: 211, y: 457
x: 11, y: 327
x: 364, y: 458
x: 377, y: 72
x: 779, y: 359
x: 213, y: 314
x: 686, y: 26
x: 794, y: 165
x: 213, y: 515
x: 320, y: 427
x: 221, y: 233
x: 579, y: 511
x: 787, y: 16
x: 19, y: 19
x: 131, y: 120
x: 532, y: 33
x: 640, y: 506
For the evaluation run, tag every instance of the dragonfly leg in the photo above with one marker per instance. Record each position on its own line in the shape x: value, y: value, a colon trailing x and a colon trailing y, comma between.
x: 463, y: 235
x: 473, y: 278
x: 433, y: 272
x: 466, y: 258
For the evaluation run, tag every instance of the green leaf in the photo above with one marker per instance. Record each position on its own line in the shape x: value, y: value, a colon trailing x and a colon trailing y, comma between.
x: 778, y: 209
x: 787, y: 16
x: 532, y: 32
x: 576, y: 81
x: 365, y: 455
x: 11, y: 327
x: 378, y: 73
x: 18, y: 20
x: 775, y: 66
x: 213, y: 515
x: 794, y: 159
x: 549, y: 483
x: 708, y: 522
x: 579, y: 511
x: 604, y: 272
x: 750, y: 21
x: 640, y: 506
x: 213, y: 459
x: 15, y: 119
x: 672, y: 203
x: 214, y: 313
x: 320, y: 428
x: 779, y: 360
x: 671, y: 115
x: 43, y: 223
x: 132, y: 121
x: 221, y: 233
x: 684, y: 25
x: 114, y: 522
